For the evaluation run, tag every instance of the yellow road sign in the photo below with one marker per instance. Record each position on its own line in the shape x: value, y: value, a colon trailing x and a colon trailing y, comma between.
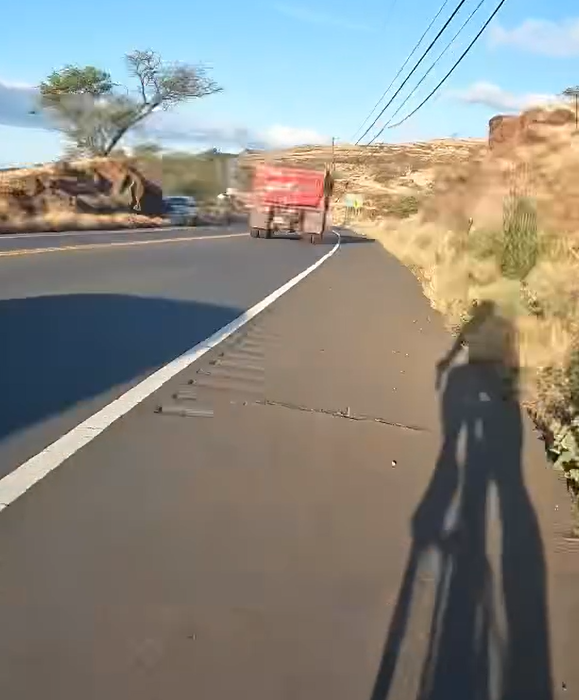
x: 353, y: 201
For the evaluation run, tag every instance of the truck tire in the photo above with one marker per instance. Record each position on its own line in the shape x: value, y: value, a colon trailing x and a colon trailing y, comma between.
x: 254, y: 233
x: 266, y: 233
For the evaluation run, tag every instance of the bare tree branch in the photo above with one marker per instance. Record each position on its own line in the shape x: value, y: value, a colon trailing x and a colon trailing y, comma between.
x: 89, y: 109
x: 165, y: 85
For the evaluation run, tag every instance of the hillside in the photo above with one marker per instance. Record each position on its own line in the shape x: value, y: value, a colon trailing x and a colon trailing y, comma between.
x: 385, y: 175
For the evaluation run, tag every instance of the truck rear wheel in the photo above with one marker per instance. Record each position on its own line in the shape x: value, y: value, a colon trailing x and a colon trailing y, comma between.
x: 254, y: 233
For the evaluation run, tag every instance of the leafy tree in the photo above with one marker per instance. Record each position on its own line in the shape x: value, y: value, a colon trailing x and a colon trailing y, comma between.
x: 96, y: 113
x: 574, y: 93
x: 74, y: 80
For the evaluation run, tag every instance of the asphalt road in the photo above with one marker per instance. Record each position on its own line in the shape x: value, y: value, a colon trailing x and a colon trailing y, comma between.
x: 81, y: 326
x: 331, y: 528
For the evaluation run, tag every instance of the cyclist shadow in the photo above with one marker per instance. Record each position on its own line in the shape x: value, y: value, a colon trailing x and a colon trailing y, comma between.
x: 468, y: 656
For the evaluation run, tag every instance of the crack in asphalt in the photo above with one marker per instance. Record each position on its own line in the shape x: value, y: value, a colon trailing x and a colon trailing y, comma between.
x: 347, y: 414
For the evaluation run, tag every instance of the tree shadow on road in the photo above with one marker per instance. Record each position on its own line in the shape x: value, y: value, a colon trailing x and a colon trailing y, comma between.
x: 470, y: 656
x: 57, y: 351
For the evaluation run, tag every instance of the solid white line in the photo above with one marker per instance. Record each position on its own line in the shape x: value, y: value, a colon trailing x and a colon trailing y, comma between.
x: 36, y: 468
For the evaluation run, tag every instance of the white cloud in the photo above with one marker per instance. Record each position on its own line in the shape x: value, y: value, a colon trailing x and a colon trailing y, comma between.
x: 310, y: 16
x: 279, y: 136
x: 180, y: 128
x: 544, y: 37
x: 19, y: 108
x: 19, y: 105
x: 490, y: 95
x: 175, y: 127
x: 17, y: 85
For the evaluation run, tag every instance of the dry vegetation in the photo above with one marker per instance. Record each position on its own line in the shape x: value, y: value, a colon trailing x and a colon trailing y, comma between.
x: 462, y: 215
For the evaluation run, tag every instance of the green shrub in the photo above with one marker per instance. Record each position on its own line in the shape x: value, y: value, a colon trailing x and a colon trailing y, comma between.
x: 485, y: 244
x: 520, y: 238
x: 405, y: 206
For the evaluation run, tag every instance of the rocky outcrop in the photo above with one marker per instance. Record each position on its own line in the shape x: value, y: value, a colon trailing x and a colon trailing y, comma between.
x: 529, y: 127
x: 98, y: 186
x: 502, y: 129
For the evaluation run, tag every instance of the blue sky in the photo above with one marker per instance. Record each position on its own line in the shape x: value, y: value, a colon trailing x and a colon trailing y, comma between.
x: 291, y: 71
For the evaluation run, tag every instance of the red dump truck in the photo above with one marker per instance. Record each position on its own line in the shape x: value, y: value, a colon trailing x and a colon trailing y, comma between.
x: 290, y: 200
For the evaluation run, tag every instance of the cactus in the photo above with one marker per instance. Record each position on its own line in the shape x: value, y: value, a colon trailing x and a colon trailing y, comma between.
x: 520, y: 239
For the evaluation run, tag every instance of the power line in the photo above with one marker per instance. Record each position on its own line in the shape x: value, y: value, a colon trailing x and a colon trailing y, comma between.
x: 450, y: 72
x: 433, y: 66
x: 436, y: 38
x: 436, y: 16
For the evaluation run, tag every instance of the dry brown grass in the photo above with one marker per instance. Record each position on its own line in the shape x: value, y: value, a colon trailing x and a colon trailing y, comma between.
x: 66, y: 221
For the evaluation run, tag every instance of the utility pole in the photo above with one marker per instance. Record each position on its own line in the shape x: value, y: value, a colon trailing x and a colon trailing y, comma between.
x: 333, y: 153
x: 574, y: 92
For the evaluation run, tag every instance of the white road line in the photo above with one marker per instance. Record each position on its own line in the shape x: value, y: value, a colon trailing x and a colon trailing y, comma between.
x: 36, y: 468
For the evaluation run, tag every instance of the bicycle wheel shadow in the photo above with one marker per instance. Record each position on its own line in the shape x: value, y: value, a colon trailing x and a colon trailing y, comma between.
x: 467, y: 655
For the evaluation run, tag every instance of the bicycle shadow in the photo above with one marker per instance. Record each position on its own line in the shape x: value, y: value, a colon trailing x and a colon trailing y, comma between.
x: 468, y: 656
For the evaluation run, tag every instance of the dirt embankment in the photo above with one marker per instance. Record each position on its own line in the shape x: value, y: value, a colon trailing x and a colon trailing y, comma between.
x: 532, y: 126
x: 96, y: 193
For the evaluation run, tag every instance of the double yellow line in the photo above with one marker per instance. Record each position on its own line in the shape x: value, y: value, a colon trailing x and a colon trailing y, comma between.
x: 115, y: 244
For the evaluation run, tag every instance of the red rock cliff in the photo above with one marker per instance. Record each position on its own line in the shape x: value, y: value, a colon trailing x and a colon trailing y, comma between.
x: 527, y: 127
